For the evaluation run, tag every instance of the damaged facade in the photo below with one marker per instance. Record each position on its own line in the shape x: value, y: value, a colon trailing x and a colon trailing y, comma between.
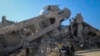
x: 44, y: 34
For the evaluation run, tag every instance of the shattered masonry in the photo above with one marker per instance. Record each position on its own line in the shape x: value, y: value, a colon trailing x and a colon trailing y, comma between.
x: 43, y: 33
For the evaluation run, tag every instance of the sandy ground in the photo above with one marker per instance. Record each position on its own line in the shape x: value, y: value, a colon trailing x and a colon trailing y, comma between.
x: 95, y: 52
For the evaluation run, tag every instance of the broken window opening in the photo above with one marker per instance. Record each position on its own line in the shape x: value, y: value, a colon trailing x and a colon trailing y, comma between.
x: 52, y: 20
x: 91, y: 34
x: 33, y: 28
x: 29, y: 30
x: 46, y: 23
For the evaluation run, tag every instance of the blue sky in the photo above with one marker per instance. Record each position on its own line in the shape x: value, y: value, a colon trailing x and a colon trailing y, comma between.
x: 18, y: 10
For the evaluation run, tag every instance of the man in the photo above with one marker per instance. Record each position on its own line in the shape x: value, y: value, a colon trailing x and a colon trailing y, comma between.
x: 67, y: 50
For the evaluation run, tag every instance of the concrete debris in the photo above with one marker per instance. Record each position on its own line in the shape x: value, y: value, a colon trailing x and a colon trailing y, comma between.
x: 45, y: 36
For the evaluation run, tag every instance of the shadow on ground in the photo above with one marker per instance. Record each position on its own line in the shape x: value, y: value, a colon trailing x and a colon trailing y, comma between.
x: 87, y: 51
x: 92, y: 52
x: 79, y: 55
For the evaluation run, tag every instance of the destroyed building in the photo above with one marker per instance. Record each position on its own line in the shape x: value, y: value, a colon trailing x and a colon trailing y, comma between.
x: 38, y: 35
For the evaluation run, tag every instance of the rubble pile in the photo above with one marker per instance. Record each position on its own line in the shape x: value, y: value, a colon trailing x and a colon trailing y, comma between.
x: 44, y: 35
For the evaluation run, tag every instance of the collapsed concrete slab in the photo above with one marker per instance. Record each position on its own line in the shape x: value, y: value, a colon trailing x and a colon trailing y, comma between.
x: 43, y: 33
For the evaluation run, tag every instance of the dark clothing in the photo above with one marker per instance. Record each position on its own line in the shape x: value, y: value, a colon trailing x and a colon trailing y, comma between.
x: 72, y: 50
